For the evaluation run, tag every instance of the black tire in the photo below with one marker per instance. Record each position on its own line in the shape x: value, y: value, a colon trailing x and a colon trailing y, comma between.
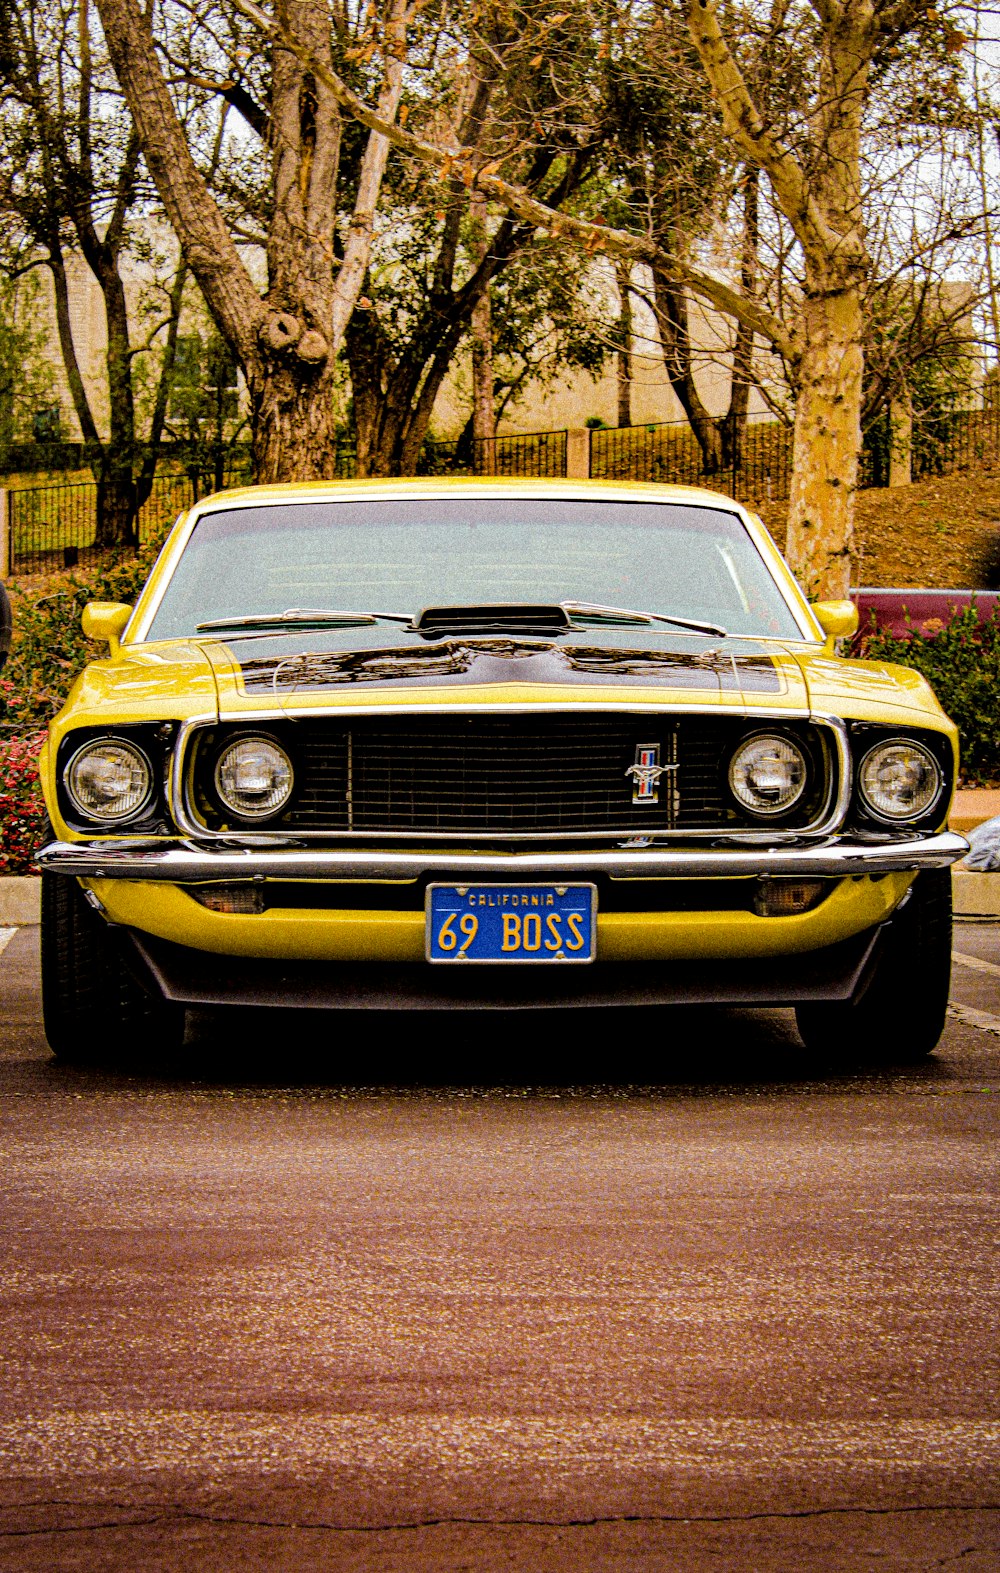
x: 92, y: 1006
x: 901, y: 1014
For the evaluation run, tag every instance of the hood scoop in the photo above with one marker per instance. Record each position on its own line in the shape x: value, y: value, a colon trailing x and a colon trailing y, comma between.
x: 438, y: 622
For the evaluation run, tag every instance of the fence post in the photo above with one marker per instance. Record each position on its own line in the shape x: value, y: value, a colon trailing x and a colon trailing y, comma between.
x: 900, y: 443
x: 578, y: 453
x: 5, y: 533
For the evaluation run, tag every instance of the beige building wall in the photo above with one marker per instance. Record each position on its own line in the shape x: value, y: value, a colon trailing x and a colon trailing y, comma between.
x: 572, y: 399
x: 569, y: 400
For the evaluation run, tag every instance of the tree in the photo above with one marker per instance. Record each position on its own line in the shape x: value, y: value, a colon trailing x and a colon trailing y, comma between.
x: 286, y: 338
x: 26, y: 382
x: 811, y: 159
x: 441, y: 250
x: 814, y: 168
x: 73, y: 183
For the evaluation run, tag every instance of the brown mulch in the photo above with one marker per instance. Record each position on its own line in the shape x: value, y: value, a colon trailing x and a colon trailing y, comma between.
x: 941, y: 533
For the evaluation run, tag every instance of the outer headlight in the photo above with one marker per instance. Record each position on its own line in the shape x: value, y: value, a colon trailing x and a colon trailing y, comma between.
x: 109, y: 780
x: 254, y: 778
x: 900, y: 780
x: 768, y: 774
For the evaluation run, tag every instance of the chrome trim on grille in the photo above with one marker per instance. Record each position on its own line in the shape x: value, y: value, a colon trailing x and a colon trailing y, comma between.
x: 247, y: 857
x: 833, y: 813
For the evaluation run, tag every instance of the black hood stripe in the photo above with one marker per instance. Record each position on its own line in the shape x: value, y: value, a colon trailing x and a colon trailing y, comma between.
x: 496, y: 660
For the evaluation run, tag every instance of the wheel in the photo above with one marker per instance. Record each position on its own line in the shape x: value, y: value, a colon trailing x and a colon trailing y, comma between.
x: 901, y: 1014
x: 92, y: 1006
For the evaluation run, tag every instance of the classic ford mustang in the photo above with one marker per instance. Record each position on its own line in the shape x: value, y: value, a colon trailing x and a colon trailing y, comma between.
x: 491, y: 744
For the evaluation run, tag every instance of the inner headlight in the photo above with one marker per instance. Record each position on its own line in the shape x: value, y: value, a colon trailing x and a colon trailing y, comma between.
x: 900, y: 780
x: 254, y: 778
x: 109, y: 780
x: 768, y: 774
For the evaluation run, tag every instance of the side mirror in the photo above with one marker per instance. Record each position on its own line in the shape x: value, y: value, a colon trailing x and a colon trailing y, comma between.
x: 105, y: 620
x: 838, y: 620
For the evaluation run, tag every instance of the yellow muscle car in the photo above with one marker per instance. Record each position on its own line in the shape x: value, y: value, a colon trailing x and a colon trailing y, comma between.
x: 491, y: 744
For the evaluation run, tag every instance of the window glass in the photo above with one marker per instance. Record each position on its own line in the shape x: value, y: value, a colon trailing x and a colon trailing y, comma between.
x: 398, y: 555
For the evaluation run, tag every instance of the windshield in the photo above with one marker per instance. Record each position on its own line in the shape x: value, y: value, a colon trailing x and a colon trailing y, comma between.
x: 402, y: 554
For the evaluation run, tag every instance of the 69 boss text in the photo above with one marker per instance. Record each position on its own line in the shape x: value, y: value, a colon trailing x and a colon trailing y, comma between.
x: 520, y: 932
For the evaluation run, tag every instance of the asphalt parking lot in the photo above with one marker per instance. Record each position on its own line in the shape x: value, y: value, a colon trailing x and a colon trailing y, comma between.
x: 443, y: 1295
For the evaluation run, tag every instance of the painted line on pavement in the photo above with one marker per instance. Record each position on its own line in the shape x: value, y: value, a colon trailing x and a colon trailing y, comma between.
x: 967, y: 1014
x: 970, y: 1017
x: 975, y: 963
x: 6, y: 935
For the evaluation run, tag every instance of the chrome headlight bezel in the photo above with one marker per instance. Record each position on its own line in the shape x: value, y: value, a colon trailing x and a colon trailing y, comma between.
x: 87, y: 812
x: 763, y: 810
x: 912, y: 816
x: 250, y: 814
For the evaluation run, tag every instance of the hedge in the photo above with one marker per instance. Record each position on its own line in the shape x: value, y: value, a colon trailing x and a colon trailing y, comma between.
x: 961, y: 661
x: 49, y: 651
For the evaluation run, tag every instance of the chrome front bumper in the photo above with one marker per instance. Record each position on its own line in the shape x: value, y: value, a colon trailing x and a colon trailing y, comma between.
x: 185, y: 862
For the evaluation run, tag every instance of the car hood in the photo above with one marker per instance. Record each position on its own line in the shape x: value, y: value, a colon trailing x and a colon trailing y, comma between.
x: 373, y: 667
x: 867, y: 690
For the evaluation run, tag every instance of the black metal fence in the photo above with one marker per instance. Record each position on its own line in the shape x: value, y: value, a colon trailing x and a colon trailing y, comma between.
x: 55, y: 526
x: 532, y: 455
x: 754, y: 466
x: 941, y: 443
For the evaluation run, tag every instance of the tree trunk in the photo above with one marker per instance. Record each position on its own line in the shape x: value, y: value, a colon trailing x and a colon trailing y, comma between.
x: 624, y: 355
x: 117, y: 507
x: 117, y: 500
x: 294, y: 422
x: 827, y: 443
x: 481, y: 325
x: 735, y: 421
x: 675, y: 338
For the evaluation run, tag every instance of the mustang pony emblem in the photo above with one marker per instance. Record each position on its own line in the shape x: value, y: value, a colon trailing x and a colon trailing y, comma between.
x: 646, y: 773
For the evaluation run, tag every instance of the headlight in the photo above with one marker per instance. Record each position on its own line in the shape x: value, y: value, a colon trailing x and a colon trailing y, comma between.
x: 254, y: 778
x: 767, y: 775
x: 900, y: 780
x: 109, y: 780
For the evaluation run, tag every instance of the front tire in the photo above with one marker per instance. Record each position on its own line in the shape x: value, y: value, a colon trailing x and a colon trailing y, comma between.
x: 901, y: 1014
x: 92, y: 1007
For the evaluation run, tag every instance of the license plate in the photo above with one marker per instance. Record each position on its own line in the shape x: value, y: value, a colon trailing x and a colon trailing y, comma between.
x: 522, y: 923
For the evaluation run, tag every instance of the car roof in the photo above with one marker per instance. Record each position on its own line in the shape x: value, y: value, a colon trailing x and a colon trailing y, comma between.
x: 472, y: 486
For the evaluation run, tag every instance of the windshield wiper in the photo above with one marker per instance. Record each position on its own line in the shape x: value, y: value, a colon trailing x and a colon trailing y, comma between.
x: 589, y: 611
x: 299, y: 617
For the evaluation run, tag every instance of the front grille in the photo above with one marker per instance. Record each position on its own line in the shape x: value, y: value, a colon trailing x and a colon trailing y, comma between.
x: 515, y: 775
x: 481, y: 773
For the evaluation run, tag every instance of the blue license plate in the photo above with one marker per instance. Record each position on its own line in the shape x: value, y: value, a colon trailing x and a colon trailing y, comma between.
x: 511, y: 922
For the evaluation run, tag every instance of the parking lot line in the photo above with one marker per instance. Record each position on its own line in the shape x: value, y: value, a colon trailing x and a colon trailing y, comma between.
x: 970, y: 1017
x: 975, y: 962
x: 6, y: 935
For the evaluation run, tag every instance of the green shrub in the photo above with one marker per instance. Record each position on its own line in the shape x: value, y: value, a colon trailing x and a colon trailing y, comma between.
x: 49, y: 648
x: 961, y: 661
x: 22, y: 812
x: 48, y: 652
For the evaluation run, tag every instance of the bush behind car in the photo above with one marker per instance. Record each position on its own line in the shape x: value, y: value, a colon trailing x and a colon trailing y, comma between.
x: 961, y: 661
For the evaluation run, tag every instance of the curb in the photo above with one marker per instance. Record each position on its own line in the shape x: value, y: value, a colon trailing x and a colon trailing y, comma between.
x: 975, y: 895
x: 972, y: 807
x: 20, y: 899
